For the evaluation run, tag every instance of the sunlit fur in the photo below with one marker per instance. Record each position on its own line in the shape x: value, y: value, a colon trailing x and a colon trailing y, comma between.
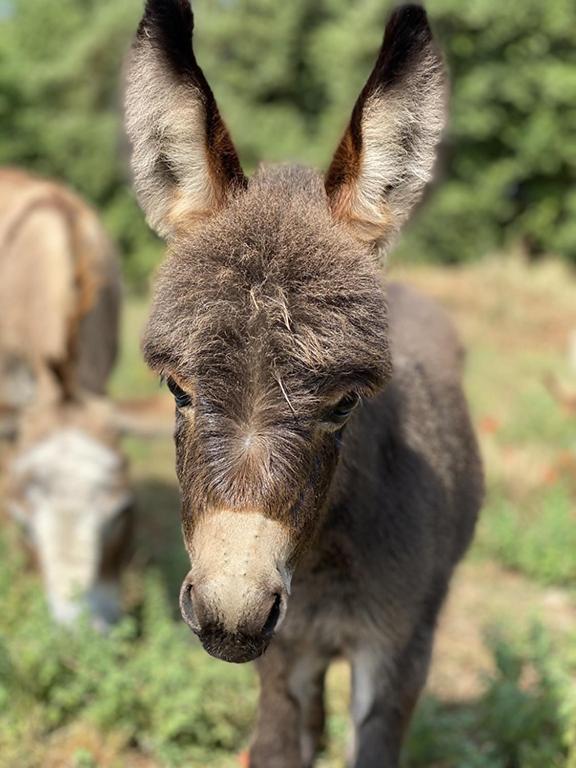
x: 387, y: 154
x: 182, y: 155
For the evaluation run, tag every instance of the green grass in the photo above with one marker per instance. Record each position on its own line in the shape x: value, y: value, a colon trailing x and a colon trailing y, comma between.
x: 148, y: 697
x: 537, y: 537
x: 151, y: 689
x: 528, y: 522
x: 148, y: 682
x: 513, y: 723
x: 509, y: 385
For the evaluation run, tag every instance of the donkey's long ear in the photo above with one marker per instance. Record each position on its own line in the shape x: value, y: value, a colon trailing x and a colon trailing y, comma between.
x: 185, y: 165
x: 387, y: 153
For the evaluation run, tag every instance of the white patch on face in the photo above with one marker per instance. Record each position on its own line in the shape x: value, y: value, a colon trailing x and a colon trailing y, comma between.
x: 235, y: 556
x: 72, y: 486
x: 66, y: 452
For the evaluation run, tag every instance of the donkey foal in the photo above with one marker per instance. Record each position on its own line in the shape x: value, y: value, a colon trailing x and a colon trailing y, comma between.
x: 329, y: 473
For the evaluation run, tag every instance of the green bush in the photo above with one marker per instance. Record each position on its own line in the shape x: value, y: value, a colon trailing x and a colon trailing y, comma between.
x: 60, y: 63
x: 147, y: 681
x: 525, y: 717
x: 536, y: 536
x: 510, y: 158
x: 286, y: 75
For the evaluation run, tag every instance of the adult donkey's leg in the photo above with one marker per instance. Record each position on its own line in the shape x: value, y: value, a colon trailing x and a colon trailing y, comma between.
x: 290, y: 730
x: 384, y: 693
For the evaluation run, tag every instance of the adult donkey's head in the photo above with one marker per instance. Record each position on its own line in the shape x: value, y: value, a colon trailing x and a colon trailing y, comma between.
x: 269, y: 318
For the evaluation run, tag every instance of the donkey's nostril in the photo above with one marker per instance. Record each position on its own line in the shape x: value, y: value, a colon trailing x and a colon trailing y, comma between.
x: 273, y: 616
x: 187, y: 606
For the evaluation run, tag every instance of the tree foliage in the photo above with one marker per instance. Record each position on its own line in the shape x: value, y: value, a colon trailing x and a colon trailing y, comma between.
x: 286, y: 76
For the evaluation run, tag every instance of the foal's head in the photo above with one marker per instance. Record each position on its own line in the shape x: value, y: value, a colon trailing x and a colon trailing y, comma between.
x: 269, y: 318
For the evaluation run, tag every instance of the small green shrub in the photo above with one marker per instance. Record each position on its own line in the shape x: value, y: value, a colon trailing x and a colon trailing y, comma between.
x: 537, y: 536
x: 525, y: 718
x: 147, y: 680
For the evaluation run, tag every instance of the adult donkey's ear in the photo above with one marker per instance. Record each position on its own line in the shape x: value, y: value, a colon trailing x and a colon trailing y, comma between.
x: 388, y: 150
x: 185, y: 165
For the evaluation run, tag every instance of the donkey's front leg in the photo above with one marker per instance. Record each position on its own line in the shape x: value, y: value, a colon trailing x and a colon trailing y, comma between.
x: 290, y: 730
x: 307, y: 684
x: 385, y: 689
x: 277, y: 739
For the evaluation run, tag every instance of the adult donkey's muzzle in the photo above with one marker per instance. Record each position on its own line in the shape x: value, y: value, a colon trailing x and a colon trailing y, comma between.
x: 236, y: 593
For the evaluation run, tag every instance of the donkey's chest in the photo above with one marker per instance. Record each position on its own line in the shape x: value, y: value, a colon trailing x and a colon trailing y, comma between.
x: 336, y: 599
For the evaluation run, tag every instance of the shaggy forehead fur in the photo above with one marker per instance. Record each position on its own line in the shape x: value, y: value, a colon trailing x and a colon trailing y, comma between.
x: 266, y: 315
x: 272, y: 296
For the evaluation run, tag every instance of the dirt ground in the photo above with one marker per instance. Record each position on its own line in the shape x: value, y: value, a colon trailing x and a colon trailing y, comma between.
x: 484, y: 596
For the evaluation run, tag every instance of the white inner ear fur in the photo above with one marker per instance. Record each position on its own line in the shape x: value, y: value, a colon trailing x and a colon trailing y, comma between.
x: 165, y: 118
x: 393, y: 169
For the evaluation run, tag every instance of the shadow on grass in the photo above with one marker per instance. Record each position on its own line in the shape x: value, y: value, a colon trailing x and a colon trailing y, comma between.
x: 522, y: 719
x: 445, y: 734
x: 159, y: 540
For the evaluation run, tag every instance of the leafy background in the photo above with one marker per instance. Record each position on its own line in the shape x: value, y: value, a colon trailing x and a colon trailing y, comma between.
x: 286, y: 76
x: 495, y: 242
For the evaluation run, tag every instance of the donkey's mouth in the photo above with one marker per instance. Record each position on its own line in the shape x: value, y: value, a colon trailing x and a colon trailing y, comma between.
x: 244, y: 640
x: 235, y: 648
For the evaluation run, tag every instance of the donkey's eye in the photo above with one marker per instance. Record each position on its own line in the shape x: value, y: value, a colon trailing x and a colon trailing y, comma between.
x: 343, y: 408
x: 183, y: 399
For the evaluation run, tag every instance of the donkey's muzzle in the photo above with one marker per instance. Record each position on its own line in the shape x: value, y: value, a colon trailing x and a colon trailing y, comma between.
x: 241, y: 640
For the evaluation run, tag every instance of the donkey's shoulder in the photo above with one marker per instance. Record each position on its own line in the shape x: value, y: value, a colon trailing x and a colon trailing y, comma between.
x: 422, y: 333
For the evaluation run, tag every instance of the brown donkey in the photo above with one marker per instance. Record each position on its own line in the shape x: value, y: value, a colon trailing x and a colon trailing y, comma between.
x: 64, y: 472
x: 329, y: 473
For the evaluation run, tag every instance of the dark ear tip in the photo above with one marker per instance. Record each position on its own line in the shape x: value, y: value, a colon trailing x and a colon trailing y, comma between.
x: 166, y: 6
x: 409, y: 19
x: 407, y: 41
x: 168, y: 26
x: 163, y: 15
x: 413, y: 12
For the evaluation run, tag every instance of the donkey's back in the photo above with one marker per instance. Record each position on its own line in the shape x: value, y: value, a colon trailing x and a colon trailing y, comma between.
x: 59, y: 292
x: 432, y: 420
